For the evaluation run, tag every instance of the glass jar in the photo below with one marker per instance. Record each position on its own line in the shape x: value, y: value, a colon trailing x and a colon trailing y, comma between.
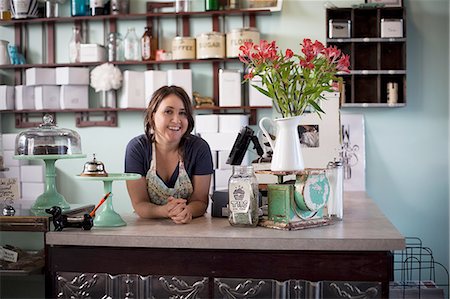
x: 335, y: 205
x: 243, y: 197
x: 132, y: 46
x: 120, y: 7
x: 5, y: 10
x: 74, y: 45
x: 114, y: 46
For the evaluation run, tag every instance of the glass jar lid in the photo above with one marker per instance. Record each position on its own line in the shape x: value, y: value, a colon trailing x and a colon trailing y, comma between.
x: 48, y: 139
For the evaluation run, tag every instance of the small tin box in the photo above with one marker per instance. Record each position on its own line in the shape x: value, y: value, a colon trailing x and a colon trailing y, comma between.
x: 339, y: 28
x: 391, y: 28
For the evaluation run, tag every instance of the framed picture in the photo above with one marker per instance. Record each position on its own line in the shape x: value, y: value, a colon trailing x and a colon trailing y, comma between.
x: 272, y: 5
x: 387, y: 3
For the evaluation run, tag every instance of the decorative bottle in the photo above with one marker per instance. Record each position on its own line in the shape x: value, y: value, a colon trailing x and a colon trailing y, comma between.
x: 97, y: 7
x: 148, y: 45
x: 74, y: 45
x: 78, y: 8
x: 5, y: 10
x: 132, y: 46
x: 243, y: 196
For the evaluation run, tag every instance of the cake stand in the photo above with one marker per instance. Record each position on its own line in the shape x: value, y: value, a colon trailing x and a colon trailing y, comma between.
x: 50, y: 197
x: 107, y: 216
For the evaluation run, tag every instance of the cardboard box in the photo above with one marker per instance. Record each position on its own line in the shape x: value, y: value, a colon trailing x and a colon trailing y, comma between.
x: 92, y: 53
x: 181, y: 78
x: 9, y: 141
x: 232, y: 123
x: 32, y: 190
x: 219, y: 141
x: 230, y: 88
x: 153, y: 80
x: 72, y: 76
x: 256, y: 98
x: 6, y: 97
x: 132, y: 93
x: 40, y: 76
x: 24, y: 97
x: 391, y: 28
x: 74, y: 97
x: 46, y: 97
x: 208, y: 123
x: 32, y: 174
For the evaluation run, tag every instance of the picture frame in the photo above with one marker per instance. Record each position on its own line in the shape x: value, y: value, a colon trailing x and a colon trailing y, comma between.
x: 272, y: 5
x: 387, y: 3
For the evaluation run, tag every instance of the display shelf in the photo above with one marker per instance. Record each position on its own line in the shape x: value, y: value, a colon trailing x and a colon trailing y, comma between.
x: 376, y: 62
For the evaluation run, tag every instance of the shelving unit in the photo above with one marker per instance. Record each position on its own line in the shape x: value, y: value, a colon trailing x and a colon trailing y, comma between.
x: 375, y: 60
x: 109, y: 116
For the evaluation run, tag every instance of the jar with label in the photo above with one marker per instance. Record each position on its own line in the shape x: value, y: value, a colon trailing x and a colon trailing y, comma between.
x: 5, y: 10
x: 97, y: 7
x: 211, y: 45
x: 132, y: 46
x: 237, y: 37
x: 243, y: 197
x: 183, y: 47
x: 149, y: 45
x: 74, y: 45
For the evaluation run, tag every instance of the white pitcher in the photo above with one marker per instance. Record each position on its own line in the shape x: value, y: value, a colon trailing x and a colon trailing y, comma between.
x: 287, y: 154
x: 4, y: 56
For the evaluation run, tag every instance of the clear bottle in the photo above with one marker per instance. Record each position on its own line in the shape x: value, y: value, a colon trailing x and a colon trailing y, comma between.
x: 132, y: 46
x: 5, y: 10
x: 243, y: 196
x: 335, y: 204
x: 114, y: 46
x: 97, y: 7
x: 74, y: 45
x: 78, y: 8
x: 149, y: 45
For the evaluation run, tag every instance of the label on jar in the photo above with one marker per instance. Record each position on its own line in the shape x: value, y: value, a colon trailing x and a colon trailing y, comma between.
x: 240, y: 195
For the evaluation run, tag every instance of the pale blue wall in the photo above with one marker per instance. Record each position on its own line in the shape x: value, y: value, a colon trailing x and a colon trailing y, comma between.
x: 407, y: 148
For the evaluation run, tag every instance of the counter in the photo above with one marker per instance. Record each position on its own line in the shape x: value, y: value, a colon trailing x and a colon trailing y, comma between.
x: 357, y: 248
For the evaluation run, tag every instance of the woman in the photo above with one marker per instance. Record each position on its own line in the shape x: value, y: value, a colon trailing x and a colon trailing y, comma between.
x: 176, y: 166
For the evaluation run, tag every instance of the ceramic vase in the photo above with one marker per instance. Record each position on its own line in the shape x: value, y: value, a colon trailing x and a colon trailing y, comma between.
x: 287, y: 154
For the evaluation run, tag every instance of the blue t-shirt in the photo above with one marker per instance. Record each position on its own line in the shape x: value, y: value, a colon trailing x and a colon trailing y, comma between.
x: 197, y: 157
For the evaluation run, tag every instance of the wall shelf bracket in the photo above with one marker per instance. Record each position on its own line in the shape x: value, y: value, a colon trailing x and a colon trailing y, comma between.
x: 96, y: 119
x: 31, y: 119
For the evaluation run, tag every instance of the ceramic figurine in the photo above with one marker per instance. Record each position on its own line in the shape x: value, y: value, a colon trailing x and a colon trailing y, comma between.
x: 15, y: 56
x: 61, y: 221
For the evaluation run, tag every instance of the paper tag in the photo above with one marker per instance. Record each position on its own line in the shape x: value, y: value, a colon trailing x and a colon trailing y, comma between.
x: 8, y: 255
x: 9, y: 189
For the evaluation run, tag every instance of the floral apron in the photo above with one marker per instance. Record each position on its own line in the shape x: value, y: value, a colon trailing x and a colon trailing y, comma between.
x: 158, y: 190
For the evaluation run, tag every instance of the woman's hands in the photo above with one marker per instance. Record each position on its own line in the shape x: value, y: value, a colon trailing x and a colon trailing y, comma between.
x: 178, y: 210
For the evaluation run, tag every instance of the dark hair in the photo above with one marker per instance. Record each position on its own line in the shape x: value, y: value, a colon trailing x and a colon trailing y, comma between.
x: 157, y: 97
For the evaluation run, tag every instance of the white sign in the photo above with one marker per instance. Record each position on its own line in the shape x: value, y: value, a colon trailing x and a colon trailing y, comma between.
x: 9, y: 189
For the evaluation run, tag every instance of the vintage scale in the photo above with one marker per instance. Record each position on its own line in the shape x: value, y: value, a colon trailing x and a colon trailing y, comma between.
x: 48, y: 143
x: 296, y: 204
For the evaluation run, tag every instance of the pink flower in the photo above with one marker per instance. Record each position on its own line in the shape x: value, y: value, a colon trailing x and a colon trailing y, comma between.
x: 344, y: 63
x: 289, y: 54
x: 249, y: 76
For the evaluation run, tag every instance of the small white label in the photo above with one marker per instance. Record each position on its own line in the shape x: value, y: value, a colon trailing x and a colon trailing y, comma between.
x: 8, y: 255
x: 239, y: 197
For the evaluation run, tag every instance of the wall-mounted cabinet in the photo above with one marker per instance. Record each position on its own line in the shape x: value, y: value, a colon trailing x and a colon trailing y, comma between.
x: 110, y: 23
x: 375, y: 39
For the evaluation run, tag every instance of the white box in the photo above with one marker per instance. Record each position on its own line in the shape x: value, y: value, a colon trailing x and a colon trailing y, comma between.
x: 230, y: 88
x: 8, y: 159
x: 9, y: 141
x: 6, y: 97
x: 32, y: 190
x: 221, y: 177
x: 223, y: 157
x: 132, y: 93
x: 208, y: 123
x: 153, y: 80
x: 214, y: 159
x: 232, y: 123
x: 219, y: 141
x: 74, y: 97
x: 391, y: 28
x: 92, y: 53
x: 40, y: 76
x: 24, y: 97
x: 181, y: 78
x: 256, y: 98
x: 72, y: 76
x: 12, y: 172
x: 32, y: 173
x: 46, y: 97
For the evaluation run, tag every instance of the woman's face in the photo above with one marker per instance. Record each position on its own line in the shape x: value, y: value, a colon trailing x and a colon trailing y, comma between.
x: 170, y: 120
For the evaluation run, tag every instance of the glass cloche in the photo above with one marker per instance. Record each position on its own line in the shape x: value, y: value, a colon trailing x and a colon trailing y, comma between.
x: 48, y: 139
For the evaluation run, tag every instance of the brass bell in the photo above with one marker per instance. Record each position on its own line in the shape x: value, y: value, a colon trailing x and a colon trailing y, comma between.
x: 94, y: 168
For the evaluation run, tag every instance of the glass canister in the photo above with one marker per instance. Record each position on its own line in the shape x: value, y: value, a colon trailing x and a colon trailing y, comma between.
x: 237, y: 37
x: 335, y: 205
x: 211, y: 45
x: 74, y: 45
x: 114, y: 46
x: 132, y: 46
x: 243, y: 197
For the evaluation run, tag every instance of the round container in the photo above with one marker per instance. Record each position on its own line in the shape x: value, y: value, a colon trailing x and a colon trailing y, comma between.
x: 48, y: 139
x: 183, y: 47
x: 237, y: 37
x: 211, y: 45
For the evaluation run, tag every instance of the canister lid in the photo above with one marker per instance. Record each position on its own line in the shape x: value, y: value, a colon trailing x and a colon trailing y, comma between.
x: 245, y: 29
x: 210, y: 34
x: 183, y: 38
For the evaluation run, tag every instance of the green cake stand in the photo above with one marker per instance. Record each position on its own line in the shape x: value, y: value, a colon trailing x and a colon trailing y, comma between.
x: 107, y: 217
x: 50, y: 197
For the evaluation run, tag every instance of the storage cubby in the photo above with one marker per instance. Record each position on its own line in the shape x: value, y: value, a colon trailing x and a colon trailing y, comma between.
x: 377, y: 56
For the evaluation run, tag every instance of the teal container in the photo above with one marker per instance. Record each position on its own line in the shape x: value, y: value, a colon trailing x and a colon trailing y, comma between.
x: 79, y: 8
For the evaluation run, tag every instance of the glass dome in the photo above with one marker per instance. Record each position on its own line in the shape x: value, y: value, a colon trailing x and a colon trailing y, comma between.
x: 48, y: 139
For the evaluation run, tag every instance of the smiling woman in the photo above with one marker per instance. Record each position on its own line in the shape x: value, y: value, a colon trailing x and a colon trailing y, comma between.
x: 176, y: 166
